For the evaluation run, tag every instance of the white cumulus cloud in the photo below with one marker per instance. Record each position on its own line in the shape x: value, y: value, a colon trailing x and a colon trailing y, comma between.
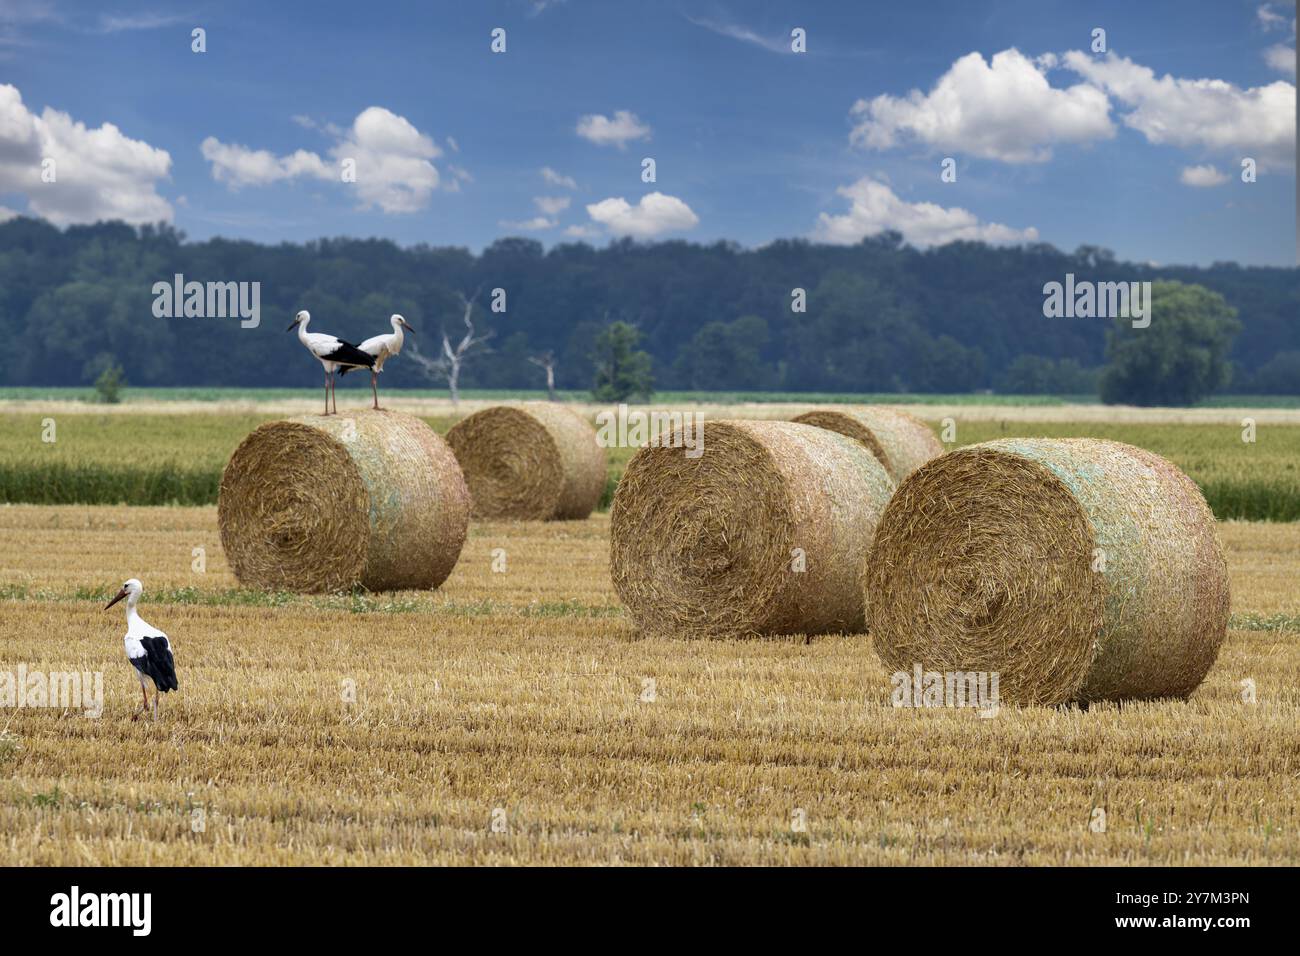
x: 1003, y: 109
x: 394, y: 171
x: 393, y: 162
x: 99, y: 173
x: 238, y: 166
x: 875, y: 208
x: 619, y: 131
x: 1202, y: 113
x: 653, y: 215
x: 1202, y: 176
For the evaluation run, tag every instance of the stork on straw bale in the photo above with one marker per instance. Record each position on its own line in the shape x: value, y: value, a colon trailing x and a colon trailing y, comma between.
x: 331, y: 351
x: 380, y: 348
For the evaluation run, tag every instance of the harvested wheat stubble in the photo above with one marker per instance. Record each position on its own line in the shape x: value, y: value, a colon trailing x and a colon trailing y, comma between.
x: 372, y: 499
x: 533, y: 461
x: 902, y: 442
x: 1078, y: 569
x: 705, y: 547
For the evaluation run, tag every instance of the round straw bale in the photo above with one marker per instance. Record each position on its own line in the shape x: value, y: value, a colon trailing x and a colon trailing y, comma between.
x: 765, y: 532
x: 902, y: 442
x: 371, y: 499
x: 534, y: 461
x: 1076, y: 569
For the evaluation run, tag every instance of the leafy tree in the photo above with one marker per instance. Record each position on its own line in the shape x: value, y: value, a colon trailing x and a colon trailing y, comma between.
x: 726, y: 355
x: 1038, y: 375
x: 945, y: 365
x: 622, y: 371
x: 1181, y: 357
x: 109, y: 382
x: 856, y: 337
x: 1280, y: 375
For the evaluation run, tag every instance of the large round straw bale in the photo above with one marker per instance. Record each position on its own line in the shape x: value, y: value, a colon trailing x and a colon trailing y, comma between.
x: 902, y: 442
x: 1076, y: 569
x: 534, y: 461
x: 371, y: 499
x: 765, y: 532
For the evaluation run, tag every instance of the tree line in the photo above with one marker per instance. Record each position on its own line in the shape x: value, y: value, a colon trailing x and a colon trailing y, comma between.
x: 879, y: 316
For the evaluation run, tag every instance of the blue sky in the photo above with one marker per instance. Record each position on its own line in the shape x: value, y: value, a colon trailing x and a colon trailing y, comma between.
x: 1137, y: 149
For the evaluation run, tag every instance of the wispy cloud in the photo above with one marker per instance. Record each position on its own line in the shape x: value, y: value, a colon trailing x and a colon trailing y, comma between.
x: 1270, y: 19
x: 536, y: 224
x: 16, y: 14
x: 1281, y: 57
x: 551, y: 205
x: 744, y: 34
x: 27, y: 11
x: 541, y: 6
x: 122, y: 23
x: 558, y: 179
x: 307, y: 122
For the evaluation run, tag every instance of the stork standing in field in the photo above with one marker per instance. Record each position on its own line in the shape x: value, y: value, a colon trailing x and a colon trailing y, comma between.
x: 148, y: 650
x: 332, y: 353
x: 380, y: 347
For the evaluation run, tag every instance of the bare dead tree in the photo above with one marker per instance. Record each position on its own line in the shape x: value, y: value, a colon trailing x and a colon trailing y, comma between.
x: 547, y: 361
x: 448, y: 365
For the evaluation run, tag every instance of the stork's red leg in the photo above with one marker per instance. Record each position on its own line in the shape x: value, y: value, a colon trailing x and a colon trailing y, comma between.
x: 374, y: 387
x: 334, y: 391
x: 327, y: 393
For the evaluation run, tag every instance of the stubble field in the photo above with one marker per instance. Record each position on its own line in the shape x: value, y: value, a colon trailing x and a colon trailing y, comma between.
x: 516, y: 717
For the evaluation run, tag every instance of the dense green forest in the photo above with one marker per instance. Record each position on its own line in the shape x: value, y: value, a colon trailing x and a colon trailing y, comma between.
x: 880, y: 316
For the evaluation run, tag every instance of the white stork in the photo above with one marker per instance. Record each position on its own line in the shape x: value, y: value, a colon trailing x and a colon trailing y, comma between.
x: 380, y: 347
x: 331, y: 351
x: 148, y: 650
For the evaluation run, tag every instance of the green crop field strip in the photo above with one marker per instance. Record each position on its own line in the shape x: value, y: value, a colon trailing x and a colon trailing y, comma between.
x: 176, y: 458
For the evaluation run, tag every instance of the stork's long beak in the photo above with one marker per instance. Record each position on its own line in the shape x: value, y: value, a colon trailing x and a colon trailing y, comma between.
x: 120, y: 594
x: 291, y: 325
x: 407, y: 326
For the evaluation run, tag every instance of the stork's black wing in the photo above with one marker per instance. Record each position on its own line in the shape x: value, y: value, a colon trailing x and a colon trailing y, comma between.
x: 157, y: 663
x: 348, y: 354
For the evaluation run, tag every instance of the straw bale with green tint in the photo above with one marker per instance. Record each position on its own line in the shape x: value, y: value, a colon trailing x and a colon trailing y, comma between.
x: 766, y: 532
x: 371, y: 499
x: 1077, y: 569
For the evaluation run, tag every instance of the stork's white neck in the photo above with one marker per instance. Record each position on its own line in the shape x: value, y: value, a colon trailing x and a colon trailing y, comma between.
x: 302, y: 330
x: 398, y: 336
